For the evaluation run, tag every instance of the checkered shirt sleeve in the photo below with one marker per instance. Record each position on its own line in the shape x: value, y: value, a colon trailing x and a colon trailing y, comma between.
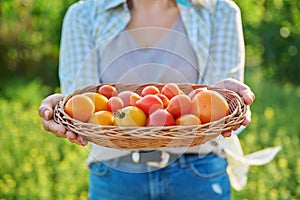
x: 78, y: 61
x: 227, y: 44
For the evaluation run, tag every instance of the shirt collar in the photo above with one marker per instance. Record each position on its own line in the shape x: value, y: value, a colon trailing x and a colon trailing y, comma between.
x: 184, y: 2
x: 113, y: 3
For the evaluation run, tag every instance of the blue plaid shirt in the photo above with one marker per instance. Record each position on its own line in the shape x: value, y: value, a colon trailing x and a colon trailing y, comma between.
x: 214, y: 30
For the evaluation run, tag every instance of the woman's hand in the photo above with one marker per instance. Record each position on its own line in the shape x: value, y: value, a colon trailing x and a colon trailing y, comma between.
x: 244, y: 91
x: 46, y: 113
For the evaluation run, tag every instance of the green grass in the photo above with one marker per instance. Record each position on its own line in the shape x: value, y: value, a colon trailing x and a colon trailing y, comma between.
x: 275, y: 119
x: 36, y: 165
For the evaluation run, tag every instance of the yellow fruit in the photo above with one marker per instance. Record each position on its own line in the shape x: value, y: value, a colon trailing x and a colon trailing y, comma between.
x: 130, y: 116
x: 99, y: 100
x: 187, y: 119
x: 103, y: 117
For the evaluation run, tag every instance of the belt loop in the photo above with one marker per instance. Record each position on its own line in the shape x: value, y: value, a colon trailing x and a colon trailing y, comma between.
x: 182, y: 161
x: 114, y: 162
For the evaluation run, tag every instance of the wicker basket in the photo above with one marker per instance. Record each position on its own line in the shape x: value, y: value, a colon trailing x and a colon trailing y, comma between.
x: 153, y: 137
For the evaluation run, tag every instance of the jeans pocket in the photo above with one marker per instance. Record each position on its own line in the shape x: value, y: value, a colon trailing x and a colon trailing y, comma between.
x: 209, y: 168
x: 99, y: 169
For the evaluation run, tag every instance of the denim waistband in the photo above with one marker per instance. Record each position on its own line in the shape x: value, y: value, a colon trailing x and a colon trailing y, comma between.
x: 125, y: 163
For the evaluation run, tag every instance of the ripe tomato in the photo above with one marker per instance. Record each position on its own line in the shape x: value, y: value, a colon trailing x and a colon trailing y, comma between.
x: 164, y: 99
x: 179, y: 105
x: 149, y: 103
x: 125, y: 96
x: 108, y: 91
x: 160, y: 117
x: 150, y: 89
x: 114, y: 103
x: 170, y: 90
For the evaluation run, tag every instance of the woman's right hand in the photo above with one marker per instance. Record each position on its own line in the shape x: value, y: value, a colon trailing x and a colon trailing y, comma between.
x: 46, y: 112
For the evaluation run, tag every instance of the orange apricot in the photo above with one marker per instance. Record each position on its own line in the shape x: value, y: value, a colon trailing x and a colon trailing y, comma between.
x: 103, y: 117
x: 80, y: 107
x: 134, y: 98
x: 188, y: 119
x: 196, y: 91
x: 99, y: 100
x: 210, y: 106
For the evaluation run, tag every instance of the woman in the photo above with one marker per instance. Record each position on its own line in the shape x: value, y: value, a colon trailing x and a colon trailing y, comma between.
x: 137, y: 41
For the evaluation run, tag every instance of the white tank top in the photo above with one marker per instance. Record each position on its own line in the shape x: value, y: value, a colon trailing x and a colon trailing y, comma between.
x: 172, y: 59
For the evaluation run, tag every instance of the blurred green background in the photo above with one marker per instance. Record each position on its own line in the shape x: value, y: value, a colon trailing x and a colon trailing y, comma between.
x: 36, y: 165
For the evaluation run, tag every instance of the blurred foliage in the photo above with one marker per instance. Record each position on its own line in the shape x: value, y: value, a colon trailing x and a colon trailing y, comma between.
x: 272, y: 36
x: 30, y: 37
x: 274, y: 123
x: 34, y: 163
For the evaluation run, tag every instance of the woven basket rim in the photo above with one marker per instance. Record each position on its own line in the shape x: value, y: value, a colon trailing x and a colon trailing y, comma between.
x: 129, y: 137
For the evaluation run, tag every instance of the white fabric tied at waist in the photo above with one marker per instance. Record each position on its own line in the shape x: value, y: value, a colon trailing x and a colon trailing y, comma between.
x: 238, y: 163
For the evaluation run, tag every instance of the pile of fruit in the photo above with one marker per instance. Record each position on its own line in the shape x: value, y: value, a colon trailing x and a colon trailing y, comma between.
x: 151, y: 106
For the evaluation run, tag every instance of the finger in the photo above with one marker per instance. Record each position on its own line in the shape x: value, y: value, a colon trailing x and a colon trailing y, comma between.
x: 48, y: 104
x: 236, y: 127
x: 71, y: 136
x: 74, y: 138
x: 247, y: 119
x: 248, y: 96
x: 82, y: 140
x: 227, y: 133
x: 242, y: 89
x: 52, y: 126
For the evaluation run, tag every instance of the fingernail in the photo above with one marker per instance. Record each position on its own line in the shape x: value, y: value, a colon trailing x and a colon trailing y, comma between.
x: 47, y: 113
x: 84, y: 143
x: 248, y: 98
x: 251, y: 96
x: 72, y: 136
x: 60, y: 133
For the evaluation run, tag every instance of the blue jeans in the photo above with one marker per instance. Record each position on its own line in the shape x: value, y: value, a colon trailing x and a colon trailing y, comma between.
x: 189, y: 177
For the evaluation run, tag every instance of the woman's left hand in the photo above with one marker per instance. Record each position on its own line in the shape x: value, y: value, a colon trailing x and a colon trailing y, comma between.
x: 244, y: 91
